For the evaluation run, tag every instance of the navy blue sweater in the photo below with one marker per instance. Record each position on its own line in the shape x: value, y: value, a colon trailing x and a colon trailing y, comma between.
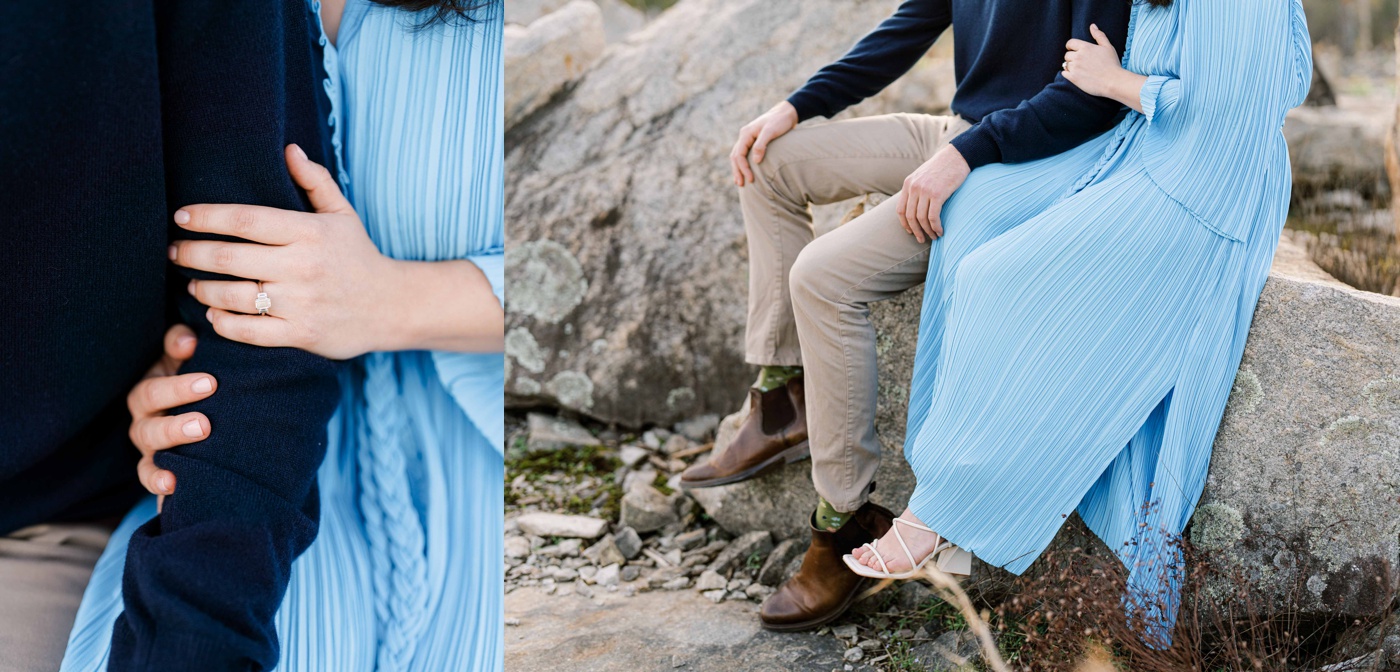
x: 112, y: 115
x: 1007, y: 59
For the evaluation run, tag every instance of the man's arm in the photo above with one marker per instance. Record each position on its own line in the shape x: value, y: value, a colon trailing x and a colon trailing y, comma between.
x: 204, y: 579
x: 1060, y: 117
x: 878, y: 59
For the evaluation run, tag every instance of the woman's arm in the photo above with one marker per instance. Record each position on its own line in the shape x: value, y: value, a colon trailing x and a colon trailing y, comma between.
x: 1096, y: 68
x: 332, y: 292
x: 444, y: 305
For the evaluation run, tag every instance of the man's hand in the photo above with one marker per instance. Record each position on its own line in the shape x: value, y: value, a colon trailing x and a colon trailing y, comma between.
x: 755, y: 136
x: 921, y: 202
x: 162, y: 390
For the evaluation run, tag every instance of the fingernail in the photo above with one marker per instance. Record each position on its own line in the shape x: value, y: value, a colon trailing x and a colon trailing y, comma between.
x: 183, y: 341
x: 190, y: 287
x: 296, y: 149
x: 192, y: 429
x: 202, y: 386
x: 209, y: 314
x: 163, y: 483
x: 182, y: 217
x: 171, y: 252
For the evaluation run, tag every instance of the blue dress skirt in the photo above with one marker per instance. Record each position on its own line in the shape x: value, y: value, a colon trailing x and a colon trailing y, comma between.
x: 1085, y: 315
x: 406, y: 572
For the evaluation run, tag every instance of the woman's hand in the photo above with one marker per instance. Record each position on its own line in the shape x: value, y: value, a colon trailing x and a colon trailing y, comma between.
x: 332, y: 292
x: 161, y: 390
x: 1096, y: 69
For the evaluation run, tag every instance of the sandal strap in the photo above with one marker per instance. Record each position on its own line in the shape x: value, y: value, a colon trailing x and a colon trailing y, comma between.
x: 917, y: 526
x: 899, y: 536
x: 874, y: 551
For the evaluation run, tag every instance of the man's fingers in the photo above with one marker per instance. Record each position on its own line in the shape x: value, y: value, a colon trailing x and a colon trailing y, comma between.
x: 268, y: 226
x: 162, y: 432
x: 244, y: 260
x: 921, y: 210
x: 262, y: 330
x: 317, y: 181
x: 760, y: 146
x: 747, y: 137
x: 899, y: 210
x: 156, y: 480
x: 157, y: 395
x: 911, y: 214
x: 234, y: 296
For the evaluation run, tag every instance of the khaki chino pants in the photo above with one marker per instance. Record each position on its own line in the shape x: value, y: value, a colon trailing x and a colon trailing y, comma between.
x: 809, y: 296
x: 43, y: 572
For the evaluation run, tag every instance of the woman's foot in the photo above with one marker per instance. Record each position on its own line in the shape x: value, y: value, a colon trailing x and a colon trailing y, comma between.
x: 920, y: 543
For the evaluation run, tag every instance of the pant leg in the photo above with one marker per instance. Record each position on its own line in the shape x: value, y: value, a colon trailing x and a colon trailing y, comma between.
x: 819, y: 164
x: 834, y: 281
x: 43, y: 572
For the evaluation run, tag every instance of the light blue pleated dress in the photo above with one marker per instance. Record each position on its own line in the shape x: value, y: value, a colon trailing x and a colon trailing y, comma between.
x: 1085, y: 315
x: 405, y: 573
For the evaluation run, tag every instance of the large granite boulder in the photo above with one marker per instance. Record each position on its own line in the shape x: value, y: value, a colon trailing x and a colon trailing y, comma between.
x: 1303, y: 496
x: 541, y: 59
x: 619, y: 18
x: 626, y: 251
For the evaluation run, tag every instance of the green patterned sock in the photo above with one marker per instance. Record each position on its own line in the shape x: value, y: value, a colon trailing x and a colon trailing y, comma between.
x: 828, y: 518
x: 774, y: 377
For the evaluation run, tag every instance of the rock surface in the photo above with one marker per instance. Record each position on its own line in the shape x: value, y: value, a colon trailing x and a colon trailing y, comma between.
x: 654, y: 631
x: 626, y: 248
x: 619, y: 18
x: 549, y: 54
x: 549, y: 433
x: 1304, y: 488
x: 561, y: 525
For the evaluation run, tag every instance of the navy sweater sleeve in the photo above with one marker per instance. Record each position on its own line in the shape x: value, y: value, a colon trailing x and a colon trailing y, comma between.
x: 204, y: 579
x: 1060, y: 117
x: 878, y: 59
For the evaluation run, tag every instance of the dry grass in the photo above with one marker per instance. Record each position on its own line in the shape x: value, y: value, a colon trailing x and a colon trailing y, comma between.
x: 1072, y: 616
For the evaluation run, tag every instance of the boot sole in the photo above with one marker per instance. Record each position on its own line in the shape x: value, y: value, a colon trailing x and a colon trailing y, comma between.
x: 851, y: 599
x: 797, y: 453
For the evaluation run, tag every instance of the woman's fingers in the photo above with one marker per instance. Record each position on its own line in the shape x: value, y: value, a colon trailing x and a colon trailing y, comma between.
x: 157, y: 395
x: 244, y: 260
x: 162, y: 432
x: 262, y: 330
x: 268, y: 226
x: 1099, y: 36
x: 1077, y: 45
x: 179, y: 347
x: 157, y: 481
x: 179, y: 342
x: 319, y: 184
x: 234, y: 296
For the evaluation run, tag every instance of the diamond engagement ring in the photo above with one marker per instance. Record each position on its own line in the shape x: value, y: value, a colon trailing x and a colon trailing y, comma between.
x: 263, y: 304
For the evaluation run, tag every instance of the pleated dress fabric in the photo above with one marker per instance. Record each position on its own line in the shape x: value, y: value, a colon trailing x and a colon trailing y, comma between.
x: 405, y: 573
x: 1085, y: 315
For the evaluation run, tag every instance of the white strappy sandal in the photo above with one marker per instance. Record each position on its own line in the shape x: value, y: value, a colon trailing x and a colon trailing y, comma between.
x: 949, y: 558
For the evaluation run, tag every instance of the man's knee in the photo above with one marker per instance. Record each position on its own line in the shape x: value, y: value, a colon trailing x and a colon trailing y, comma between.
x: 811, y: 279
